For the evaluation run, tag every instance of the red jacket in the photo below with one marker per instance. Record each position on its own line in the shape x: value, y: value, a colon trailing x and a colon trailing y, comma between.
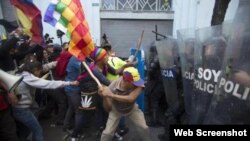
x: 62, y: 62
x: 3, y: 101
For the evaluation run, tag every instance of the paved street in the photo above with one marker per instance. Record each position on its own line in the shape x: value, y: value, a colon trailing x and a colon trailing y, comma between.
x: 55, y: 133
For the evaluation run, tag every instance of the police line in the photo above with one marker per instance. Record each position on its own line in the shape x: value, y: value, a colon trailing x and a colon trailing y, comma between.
x: 228, y: 86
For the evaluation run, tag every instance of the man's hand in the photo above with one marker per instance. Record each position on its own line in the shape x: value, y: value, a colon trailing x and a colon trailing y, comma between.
x: 100, y: 89
x: 17, y: 32
x: 105, y: 92
x: 131, y: 63
x: 74, y: 83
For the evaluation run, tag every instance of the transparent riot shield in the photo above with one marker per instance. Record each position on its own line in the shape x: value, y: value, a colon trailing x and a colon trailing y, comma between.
x: 186, y: 44
x: 168, y: 58
x: 231, y: 105
x: 154, y: 89
x: 208, y: 58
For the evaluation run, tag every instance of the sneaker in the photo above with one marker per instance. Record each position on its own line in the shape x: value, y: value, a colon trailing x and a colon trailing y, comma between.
x: 118, y: 137
x: 72, y: 139
x: 123, y: 132
x: 98, y: 133
x: 83, y: 136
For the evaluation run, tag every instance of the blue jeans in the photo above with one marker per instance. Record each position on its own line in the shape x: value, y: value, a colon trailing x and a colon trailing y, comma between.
x: 82, y: 118
x: 101, y: 114
x: 73, y: 99
x: 26, y: 116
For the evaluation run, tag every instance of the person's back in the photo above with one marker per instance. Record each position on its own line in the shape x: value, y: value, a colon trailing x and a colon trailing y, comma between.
x: 6, y: 60
x: 116, y: 63
x: 73, y: 70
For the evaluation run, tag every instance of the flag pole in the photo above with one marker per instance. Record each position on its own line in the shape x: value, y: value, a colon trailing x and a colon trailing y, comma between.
x: 139, y: 43
x: 91, y: 74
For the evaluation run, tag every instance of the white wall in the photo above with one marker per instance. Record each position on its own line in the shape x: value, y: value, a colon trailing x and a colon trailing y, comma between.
x: 1, y: 11
x: 231, y: 11
x: 197, y: 13
x: 2, y: 31
x: 91, y: 12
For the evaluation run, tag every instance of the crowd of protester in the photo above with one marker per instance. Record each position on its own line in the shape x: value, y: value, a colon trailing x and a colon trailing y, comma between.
x: 56, y: 85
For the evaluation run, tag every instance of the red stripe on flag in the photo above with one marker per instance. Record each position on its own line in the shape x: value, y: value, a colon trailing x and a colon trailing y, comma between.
x: 31, y: 11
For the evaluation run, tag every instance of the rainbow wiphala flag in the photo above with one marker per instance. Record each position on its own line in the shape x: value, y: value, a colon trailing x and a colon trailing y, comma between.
x: 30, y: 18
x: 68, y: 16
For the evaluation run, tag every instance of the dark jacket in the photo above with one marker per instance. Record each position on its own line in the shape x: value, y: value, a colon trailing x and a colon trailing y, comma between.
x: 6, y: 60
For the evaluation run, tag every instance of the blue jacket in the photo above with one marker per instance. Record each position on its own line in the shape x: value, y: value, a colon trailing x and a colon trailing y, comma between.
x: 73, y: 70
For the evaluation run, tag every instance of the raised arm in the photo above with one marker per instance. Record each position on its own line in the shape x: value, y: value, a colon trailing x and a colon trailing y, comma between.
x: 130, y: 98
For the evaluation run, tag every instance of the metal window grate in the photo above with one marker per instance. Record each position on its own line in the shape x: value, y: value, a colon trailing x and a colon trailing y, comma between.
x: 136, y: 5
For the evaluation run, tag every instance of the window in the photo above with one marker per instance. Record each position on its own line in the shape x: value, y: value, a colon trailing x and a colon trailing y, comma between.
x: 137, y: 5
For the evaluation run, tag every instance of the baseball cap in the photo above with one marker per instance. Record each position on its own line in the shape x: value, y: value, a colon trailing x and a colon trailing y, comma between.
x: 132, y: 75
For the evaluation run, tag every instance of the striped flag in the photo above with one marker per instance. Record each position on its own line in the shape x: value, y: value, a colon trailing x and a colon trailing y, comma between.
x: 30, y: 17
x: 68, y: 16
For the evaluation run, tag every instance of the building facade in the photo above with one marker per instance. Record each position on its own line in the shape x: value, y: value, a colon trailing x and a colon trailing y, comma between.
x: 124, y: 20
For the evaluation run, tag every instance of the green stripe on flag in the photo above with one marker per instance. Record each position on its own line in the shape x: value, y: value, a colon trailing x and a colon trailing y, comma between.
x: 68, y: 35
x: 60, y: 7
x: 63, y: 21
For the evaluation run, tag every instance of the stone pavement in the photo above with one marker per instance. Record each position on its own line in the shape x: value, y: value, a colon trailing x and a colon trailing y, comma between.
x: 55, y: 133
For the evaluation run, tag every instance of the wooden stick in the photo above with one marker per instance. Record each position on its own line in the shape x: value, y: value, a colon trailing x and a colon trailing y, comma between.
x: 139, y: 43
x: 91, y: 74
x: 45, y: 76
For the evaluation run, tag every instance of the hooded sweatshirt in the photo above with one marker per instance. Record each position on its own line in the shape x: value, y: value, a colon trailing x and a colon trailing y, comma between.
x: 27, y: 88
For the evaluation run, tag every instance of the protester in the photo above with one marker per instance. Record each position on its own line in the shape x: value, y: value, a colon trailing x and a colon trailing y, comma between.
x: 119, y: 99
x: 8, y: 126
x: 25, y: 92
x: 73, y: 69
x: 88, y: 104
x: 116, y: 63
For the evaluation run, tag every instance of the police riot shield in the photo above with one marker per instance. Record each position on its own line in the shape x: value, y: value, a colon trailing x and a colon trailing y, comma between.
x: 208, y: 58
x: 168, y: 58
x: 231, y: 105
x: 186, y: 44
x: 154, y: 89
